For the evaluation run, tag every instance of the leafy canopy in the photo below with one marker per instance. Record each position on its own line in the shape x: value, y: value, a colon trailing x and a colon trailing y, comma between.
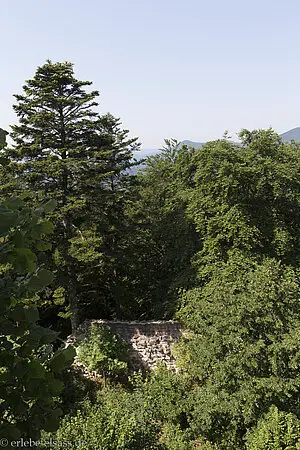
x: 29, y: 385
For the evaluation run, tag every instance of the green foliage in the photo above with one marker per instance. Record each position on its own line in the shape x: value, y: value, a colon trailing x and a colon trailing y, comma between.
x: 165, y: 394
x: 173, y: 438
x: 277, y: 430
x: 103, y: 351
x: 116, y: 422
x: 3, y: 135
x: 28, y: 385
x: 148, y: 416
x: 164, y: 241
x: 247, y: 198
x: 105, y: 283
x: 243, y: 355
x: 65, y: 151
x: 220, y: 224
x: 242, y: 352
x: 78, y: 390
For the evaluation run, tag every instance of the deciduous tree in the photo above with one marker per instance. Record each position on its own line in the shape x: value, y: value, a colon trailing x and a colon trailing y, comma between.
x: 29, y: 385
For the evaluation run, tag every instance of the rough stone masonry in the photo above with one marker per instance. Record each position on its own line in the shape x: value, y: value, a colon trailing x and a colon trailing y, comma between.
x: 149, y: 342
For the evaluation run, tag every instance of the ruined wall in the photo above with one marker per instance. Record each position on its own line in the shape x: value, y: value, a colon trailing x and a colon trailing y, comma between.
x: 149, y: 342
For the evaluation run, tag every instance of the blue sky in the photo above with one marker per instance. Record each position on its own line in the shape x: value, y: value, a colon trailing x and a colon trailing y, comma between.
x: 185, y: 69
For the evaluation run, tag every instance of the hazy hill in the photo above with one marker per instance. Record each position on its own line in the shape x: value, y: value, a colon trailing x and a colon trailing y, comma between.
x: 291, y: 135
x: 288, y: 136
x: 193, y: 144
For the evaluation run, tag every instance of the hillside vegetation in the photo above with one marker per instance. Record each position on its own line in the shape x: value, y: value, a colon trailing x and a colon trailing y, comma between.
x: 208, y: 236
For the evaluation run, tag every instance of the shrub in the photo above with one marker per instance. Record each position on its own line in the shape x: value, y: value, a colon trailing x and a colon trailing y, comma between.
x: 117, y: 422
x: 277, y: 430
x: 103, y: 351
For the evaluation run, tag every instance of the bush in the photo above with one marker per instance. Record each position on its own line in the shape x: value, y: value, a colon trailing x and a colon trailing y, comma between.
x: 117, y: 422
x: 176, y: 439
x: 153, y: 415
x: 77, y: 391
x: 277, y: 430
x: 103, y: 351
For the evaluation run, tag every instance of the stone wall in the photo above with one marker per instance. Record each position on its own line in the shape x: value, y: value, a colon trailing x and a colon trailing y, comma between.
x: 149, y: 342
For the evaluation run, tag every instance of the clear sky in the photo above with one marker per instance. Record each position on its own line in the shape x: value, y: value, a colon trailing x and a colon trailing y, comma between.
x: 188, y: 69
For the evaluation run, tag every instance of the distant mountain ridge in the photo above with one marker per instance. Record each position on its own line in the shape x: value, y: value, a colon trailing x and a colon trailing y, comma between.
x: 288, y: 136
x: 293, y: 134
x: 192, y: 143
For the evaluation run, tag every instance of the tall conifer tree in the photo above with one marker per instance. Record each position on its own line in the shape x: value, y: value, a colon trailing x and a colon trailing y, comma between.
x: 65, y: 150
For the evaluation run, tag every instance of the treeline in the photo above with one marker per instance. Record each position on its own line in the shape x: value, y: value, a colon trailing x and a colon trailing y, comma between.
x: 112, y: 253
x: 206, y: 236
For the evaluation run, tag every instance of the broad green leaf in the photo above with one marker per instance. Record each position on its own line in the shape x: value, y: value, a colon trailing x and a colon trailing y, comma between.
x: 47, y: 227
x: 43, y: 335
x: 23, y: 259
x: 22, y: 313
x: 4, y: 376
x: 31, y: 315
x: 18, y: 314
x: 52, y: 422
x: 62, y: 359
x: 10, y: 431
x: 38, y: 212
x: 8, y: 219
x: 56, y: 387
x: 41, y: 228
x: 36, y: 370
x: 18, y: 239
x: 39, y: 281
x: 50, y: 205
x: 13, y: 203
